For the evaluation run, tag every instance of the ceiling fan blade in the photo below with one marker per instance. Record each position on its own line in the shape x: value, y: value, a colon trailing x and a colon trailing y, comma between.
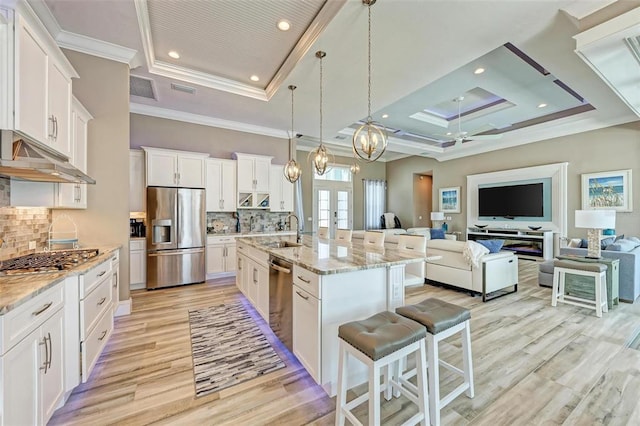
x: 485, y: 137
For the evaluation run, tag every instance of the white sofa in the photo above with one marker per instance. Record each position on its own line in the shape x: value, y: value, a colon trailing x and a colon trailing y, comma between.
x: 391, y: 235
x: 497, y: 271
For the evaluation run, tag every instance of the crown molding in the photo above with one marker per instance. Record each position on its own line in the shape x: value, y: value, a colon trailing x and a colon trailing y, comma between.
x: 96, y: 47
x: 187, y: 117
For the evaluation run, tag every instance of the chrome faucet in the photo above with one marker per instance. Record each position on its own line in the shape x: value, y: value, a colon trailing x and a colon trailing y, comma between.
x: 298, y: 237
x: 251, y: 224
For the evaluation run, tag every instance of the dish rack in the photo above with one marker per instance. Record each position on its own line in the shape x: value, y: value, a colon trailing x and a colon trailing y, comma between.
x: 66, y: 233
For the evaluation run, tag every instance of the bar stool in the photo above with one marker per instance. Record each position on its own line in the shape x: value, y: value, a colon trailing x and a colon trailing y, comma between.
x: 442, y: 320
x: 381, y: 341
x: 597, y: 271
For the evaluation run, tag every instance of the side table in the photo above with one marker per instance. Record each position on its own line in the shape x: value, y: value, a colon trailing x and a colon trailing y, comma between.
x: 583, y: 286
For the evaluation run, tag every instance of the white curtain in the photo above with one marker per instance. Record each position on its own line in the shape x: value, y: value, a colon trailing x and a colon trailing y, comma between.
x: 374, y: 201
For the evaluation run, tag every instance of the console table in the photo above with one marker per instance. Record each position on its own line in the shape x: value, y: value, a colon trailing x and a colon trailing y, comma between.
x: 525, y: 243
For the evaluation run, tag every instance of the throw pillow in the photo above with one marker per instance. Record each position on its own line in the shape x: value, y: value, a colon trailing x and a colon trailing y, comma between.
x: 634, y: 239
x: 437, y: 234
x: 584, y: 243
x: 620, y: 237
x: 574, y: 243
x: 622, y: 245
x: 606, y: 241
x: 494, y: 246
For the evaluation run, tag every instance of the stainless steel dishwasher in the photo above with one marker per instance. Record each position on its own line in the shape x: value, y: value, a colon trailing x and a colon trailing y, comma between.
x: 280, y: 300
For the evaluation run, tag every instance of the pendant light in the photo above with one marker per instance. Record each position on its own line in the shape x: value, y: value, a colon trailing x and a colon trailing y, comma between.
x: 355, y: 167
x: 292, y: 170
x: 370, y: 139
x: 321, y: 157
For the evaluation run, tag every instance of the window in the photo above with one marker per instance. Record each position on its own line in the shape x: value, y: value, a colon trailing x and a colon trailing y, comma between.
x: 374, y: 201
x: 336, y: 173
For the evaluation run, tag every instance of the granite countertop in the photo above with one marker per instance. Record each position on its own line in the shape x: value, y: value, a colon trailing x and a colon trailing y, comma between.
x: 250, y: 234
x: 17, y: 289
x: 325, y: 257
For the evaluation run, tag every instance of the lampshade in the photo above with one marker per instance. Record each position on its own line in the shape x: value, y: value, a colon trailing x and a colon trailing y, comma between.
x: 595, y: 219
x: 437, y: 216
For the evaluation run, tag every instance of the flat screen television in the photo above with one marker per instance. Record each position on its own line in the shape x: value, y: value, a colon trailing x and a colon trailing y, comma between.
x: 511, y: 201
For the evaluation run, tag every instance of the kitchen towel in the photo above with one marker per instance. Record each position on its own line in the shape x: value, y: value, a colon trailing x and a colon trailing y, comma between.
x: 228, y: 348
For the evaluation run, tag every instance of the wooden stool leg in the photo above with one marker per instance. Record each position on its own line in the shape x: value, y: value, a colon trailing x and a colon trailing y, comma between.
x: 556, y: 283
x: 434, y: 379
x: 466, y: 358
x: 561, y: 284
x: 374, y: 395
x: 423, y: 393
x: 598, y: 288
x: 341, y: 399
x: 605, y: 294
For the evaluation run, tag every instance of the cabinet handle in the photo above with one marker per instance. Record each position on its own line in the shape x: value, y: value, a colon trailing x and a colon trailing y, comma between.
x: 102, y: 273
x: 41, y: 310
x: 50, y: 350
x: 51, y: 127
x: 116, y: 283
x: 45, y: 366
x: 255, y: 280
x: 102, y: 301
x: 303, y: 280
x: 302, y: 295
x: 104, y: 333
x: 55, y: 126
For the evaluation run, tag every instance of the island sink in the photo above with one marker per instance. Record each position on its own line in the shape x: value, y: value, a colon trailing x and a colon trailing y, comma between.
x: 283, y: 244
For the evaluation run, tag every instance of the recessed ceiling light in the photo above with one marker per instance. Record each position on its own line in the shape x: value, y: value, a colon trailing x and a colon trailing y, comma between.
x: 284, y: 25
x: 174, y: 54
x: 385, y: 115
x: 254, y: 78
x: 449, y: 133
x: 542, y: 105
x: 479, y: 71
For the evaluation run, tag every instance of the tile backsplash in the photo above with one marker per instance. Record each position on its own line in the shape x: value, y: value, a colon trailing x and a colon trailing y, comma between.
x: 19, y: 226
x: 5, y: 194
x: 262, y: 221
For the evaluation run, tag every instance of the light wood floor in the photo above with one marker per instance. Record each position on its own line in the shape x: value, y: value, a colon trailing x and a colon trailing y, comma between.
x: 534, y: 364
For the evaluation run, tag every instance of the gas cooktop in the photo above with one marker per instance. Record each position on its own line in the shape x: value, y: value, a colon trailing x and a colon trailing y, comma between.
x: 52, y: 261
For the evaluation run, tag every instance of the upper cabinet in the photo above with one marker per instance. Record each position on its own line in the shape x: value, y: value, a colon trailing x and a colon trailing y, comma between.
x: 39, y: 77
x: 221, y: 185
x: 281, y: 193
x: 137, y: 194
x: 167, y: 167
x: 253, y: 180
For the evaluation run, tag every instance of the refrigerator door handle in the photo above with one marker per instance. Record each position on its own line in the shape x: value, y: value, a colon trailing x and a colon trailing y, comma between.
x: 174, y: 252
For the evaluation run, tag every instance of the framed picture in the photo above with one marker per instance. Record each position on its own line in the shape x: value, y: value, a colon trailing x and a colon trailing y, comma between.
x: 607, y: 190
x: 450, y: 200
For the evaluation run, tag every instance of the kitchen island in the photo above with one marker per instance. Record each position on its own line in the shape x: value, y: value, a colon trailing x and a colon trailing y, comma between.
x: 333, y: 283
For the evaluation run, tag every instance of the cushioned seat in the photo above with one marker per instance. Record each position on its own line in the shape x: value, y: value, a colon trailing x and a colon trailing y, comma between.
x: 581, y: 266
x: 545, y: 273
x: 381, y: 334
x: 435, y: 314
x: 596, y: 271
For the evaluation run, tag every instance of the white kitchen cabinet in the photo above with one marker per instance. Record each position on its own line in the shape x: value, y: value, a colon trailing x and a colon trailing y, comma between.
x: 306, y: 330
x: 242, y: 266
x: 137, y: 264
x: 115, y: 281
x: 41, y: 76
x: 221, y: 192
x: 221, y: 255
x: 165, y: 167
x: 32, y: 361
x: 137, y: 187
x: 262, y: 294
x: 281, y: 192
x: 253, y: 180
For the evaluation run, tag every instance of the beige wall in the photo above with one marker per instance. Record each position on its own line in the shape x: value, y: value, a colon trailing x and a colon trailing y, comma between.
x: 219, y: 143
x: 422, y: 201
x: 375, y: 170
x: 103, y: 88
x: 614, y: 148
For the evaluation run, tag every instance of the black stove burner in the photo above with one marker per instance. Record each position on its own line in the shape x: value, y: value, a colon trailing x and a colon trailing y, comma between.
x: 46, y: 262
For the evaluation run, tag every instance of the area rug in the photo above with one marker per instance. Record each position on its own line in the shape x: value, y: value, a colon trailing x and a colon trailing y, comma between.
x: 228, y: 348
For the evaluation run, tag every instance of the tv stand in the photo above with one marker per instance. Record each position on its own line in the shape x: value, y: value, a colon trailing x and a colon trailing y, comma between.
x: 525, y: 243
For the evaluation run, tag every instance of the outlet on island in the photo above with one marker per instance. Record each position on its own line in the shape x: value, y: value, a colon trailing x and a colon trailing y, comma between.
x: 32, y: 245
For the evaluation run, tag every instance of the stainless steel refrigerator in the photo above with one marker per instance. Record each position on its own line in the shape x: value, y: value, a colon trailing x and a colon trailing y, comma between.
x: 176, y: 236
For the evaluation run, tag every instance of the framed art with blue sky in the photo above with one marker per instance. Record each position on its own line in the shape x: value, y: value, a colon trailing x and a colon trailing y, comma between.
x: 450, y: 200
x: 607, y: 190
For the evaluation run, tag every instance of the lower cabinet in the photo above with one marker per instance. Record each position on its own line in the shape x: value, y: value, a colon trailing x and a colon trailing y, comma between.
x: 221, y: 255
x: 137, y: 264
x: 307, y: 331
x: 31, y: 366
x: 252, y: 277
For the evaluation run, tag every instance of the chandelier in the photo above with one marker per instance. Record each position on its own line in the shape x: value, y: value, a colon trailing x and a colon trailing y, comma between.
x: 292, y: 170
x: 321, y: 157
x: 355, y: 167
x: 370, y: 139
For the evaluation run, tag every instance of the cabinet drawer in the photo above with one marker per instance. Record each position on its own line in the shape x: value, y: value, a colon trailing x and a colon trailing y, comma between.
x: 215, y: 239
x: 137, y: 244
x: 306, y: 280
x: 92, y: 278
x: 21, y: 321
x: 94, y: 343
x: 94, y: 305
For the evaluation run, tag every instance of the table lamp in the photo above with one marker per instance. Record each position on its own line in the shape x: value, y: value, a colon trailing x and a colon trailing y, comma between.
x: 595, y: 221
x: 438, y: 216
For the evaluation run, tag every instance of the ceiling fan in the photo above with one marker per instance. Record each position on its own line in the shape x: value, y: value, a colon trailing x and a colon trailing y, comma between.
x: 462, y: 136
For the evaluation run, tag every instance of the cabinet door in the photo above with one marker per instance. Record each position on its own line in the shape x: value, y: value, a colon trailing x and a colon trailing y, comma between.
x: 215, y: 258
x: 31, y: 84
x: 20, y: 376
x: 162, y: 168
x: 137, y: 269
x: 275, y: 188
x: 246, y: 179
x: 306, y: 331
x: 52, y: 381
x: 252, y: 283
x: 191, y: 171
x: 72, y: 196
x: 137, y: 197
x: 230, y: 258
x: 60, y: 110
x: 287, y: 195
x: 240, y: 272
x: 213, y: 185
x: 262, y: 297
x: 229, y: 188
x: 262, y: 169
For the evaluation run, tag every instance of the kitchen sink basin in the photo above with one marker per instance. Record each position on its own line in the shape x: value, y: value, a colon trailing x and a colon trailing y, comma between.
x: 282, y: 244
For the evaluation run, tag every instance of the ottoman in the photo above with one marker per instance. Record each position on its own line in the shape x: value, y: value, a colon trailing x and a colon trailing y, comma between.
x: 545, y: 273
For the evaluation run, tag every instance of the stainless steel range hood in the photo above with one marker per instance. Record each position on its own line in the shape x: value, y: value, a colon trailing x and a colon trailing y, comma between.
x: 26, y: 159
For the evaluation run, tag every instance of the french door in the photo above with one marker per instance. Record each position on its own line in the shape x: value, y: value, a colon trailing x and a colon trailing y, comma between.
x: 333, y: 206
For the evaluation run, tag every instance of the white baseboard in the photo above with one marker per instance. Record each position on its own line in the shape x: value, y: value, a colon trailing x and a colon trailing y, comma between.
x: 124, y: 308
x: 138, y: 286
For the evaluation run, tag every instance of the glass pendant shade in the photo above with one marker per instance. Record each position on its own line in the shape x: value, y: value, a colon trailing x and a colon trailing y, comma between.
x: 355, y: 168
x: 292, y: 169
